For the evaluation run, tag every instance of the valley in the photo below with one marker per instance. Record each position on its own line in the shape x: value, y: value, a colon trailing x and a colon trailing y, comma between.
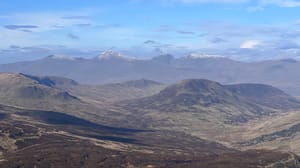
x: 192, y: 123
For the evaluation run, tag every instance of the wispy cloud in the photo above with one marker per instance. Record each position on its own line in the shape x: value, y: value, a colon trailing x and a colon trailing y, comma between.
x: 44, y: 21
x: 185, y: 32
x: 217, y: 40
x: 14, y: 47
x: 262, y: 4
x: 107, y: 26
x: 150, y: 42
x: 24, y: 28
x: 83, y: 25
x: 73, y: 36
x: 231, y: 30
x: 47, y: 27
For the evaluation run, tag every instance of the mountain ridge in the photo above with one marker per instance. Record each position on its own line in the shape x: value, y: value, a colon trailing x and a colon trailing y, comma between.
x: 20, y: 89
x: 166, y: 69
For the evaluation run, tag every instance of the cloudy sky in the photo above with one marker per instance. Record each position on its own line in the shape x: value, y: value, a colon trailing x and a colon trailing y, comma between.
x: 240, y: 29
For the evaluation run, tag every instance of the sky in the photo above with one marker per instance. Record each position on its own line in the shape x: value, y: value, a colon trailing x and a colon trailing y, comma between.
x: 249, y: 30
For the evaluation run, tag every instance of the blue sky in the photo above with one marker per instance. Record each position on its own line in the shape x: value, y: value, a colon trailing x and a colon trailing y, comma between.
x: 238, y: 29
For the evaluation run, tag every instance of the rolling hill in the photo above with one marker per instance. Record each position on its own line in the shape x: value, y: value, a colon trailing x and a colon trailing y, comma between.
x: 21, y: 90
x: 193, y: 123
x: 48, y: 93
x: 228, y: 101
x: 213, y: 111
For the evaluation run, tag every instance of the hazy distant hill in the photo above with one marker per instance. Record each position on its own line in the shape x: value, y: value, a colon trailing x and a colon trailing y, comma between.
x: 111, y: 67
x: 114, y: 92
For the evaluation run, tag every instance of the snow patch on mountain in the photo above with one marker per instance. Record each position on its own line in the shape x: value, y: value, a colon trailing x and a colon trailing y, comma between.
x: 204, y: 55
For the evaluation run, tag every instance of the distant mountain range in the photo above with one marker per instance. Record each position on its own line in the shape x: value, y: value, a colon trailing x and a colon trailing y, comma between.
x: 111, y: 67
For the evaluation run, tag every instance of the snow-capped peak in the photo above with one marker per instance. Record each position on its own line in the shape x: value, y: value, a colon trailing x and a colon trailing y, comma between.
x: 204, y: 55
x: 109, y: 54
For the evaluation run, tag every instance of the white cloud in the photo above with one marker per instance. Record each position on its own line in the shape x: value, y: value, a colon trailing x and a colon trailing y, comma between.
x: 281, y: 3
x: 249, y: 44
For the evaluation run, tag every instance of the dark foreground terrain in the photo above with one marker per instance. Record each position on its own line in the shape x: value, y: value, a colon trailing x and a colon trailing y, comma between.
x: 50, y: 139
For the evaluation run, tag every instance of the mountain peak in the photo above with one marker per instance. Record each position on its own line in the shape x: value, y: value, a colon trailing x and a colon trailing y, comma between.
x: 291, y: 60
x: 203, y: 55
x: 110, y: 54
x: 196, y: 85
x: 166, y: 58
x: 60, y: 57
x: 188, y: 95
